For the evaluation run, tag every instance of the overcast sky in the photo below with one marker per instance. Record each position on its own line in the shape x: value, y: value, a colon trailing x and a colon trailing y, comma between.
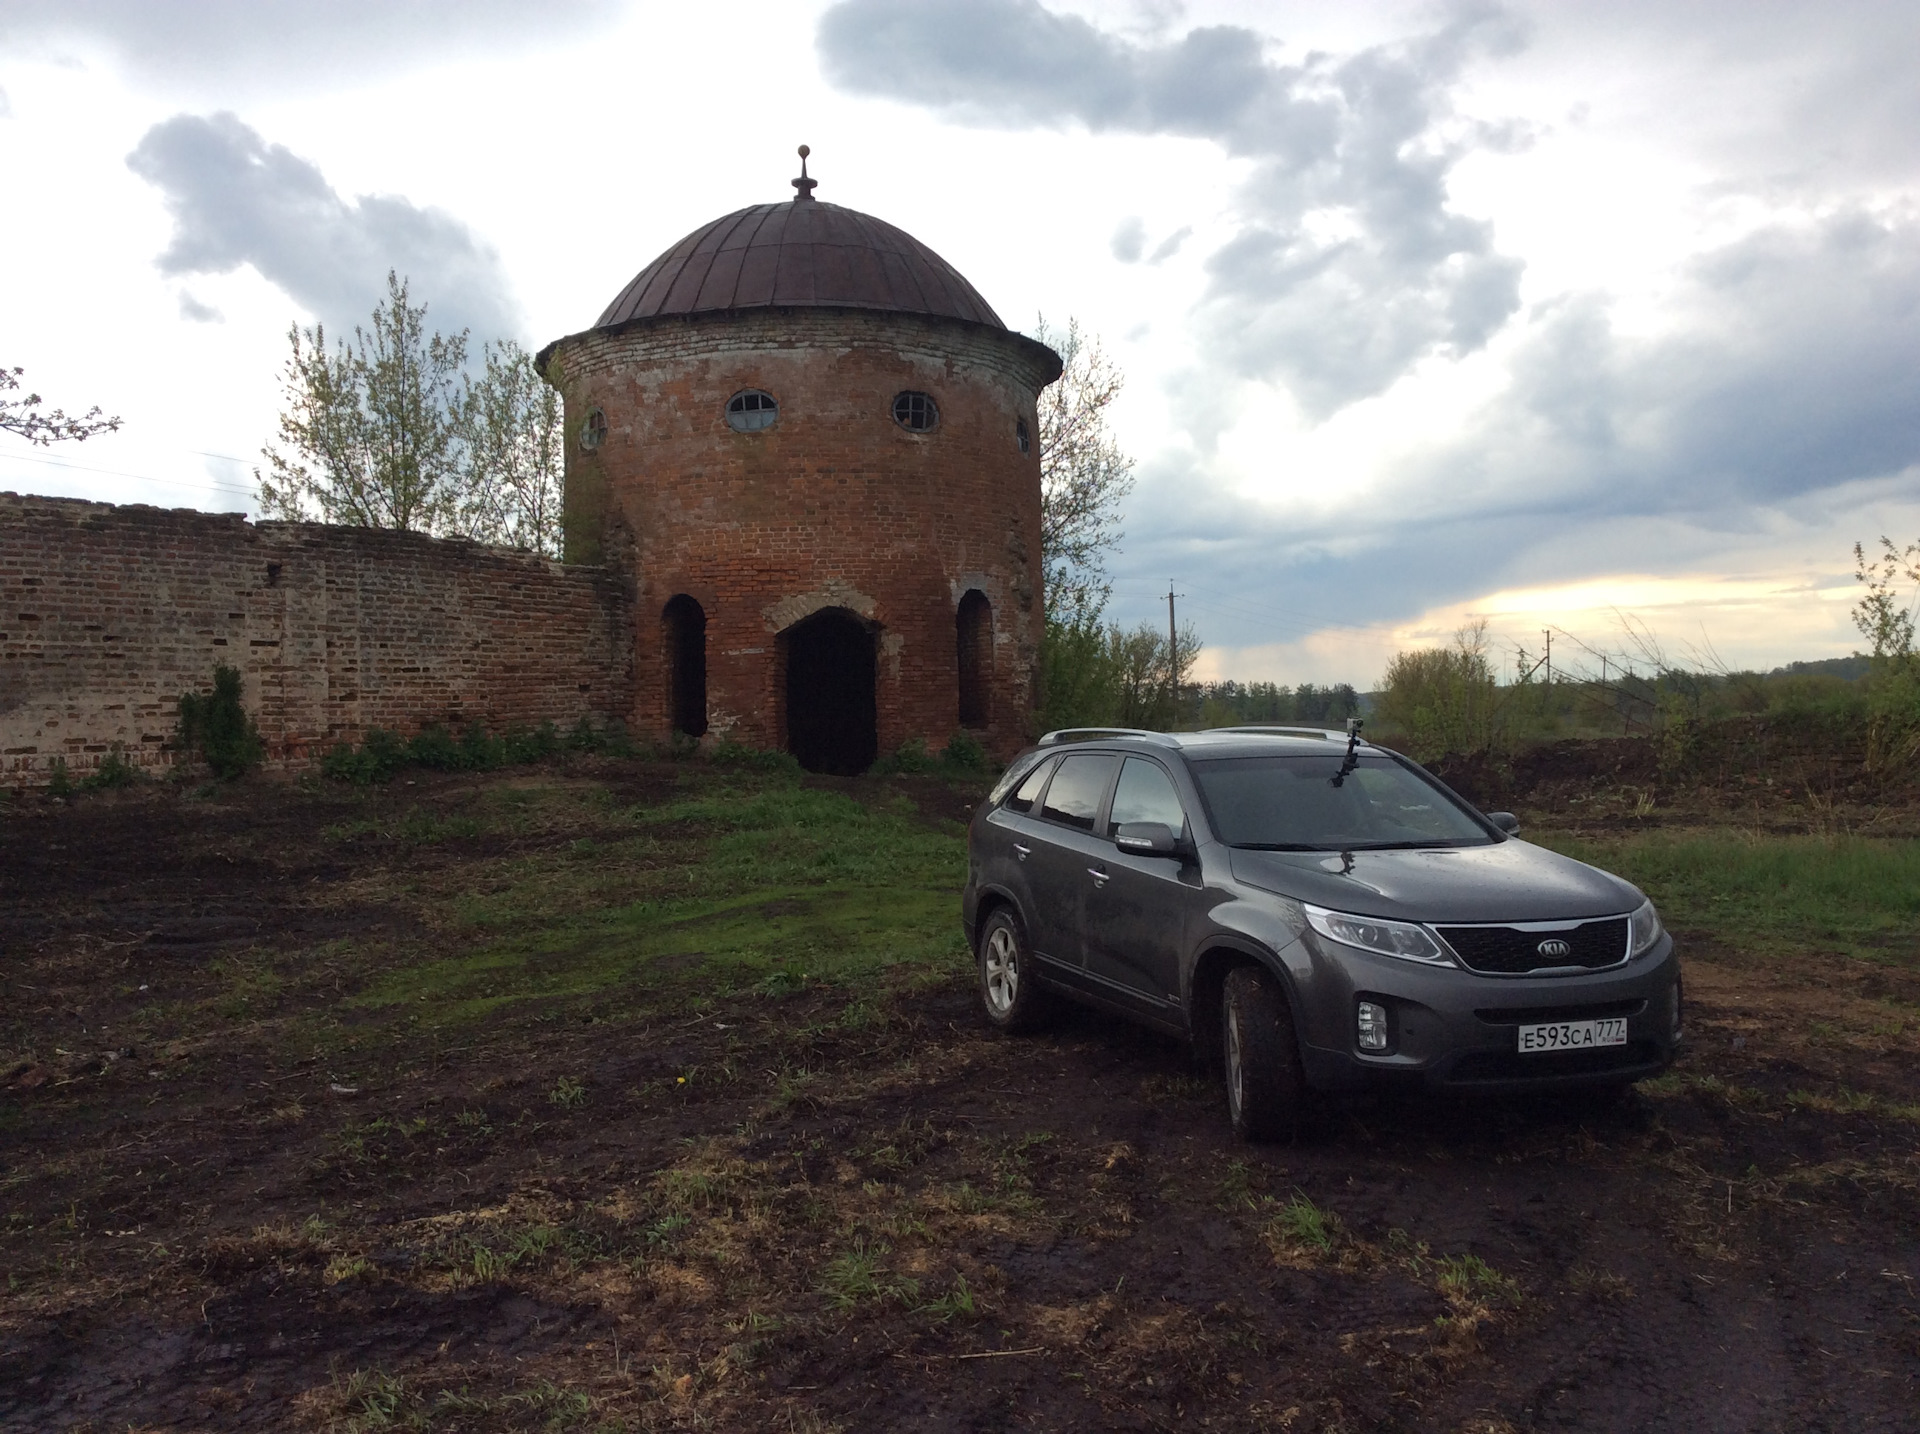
x: 1557, y: 314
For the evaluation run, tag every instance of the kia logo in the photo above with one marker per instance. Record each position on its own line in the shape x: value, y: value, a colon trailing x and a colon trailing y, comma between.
x: 1554, y: 950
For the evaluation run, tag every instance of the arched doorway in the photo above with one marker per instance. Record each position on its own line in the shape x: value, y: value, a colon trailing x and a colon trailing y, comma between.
x: 830, y: 708
x: 685, y: 633
x: 973, y: 646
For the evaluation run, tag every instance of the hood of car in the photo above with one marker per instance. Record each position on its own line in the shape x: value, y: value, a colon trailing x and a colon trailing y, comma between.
x: 1506, y: 881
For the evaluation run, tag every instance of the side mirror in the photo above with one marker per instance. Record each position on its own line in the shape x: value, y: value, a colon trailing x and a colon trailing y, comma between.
x: 1506, y: 821
x: 1146, y: 839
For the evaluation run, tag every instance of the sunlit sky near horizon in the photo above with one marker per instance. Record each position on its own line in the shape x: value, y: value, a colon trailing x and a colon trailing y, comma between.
x: 1577, y: 315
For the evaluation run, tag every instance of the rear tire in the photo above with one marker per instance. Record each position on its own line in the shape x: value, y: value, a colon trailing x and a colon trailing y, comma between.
x: 1266, y: 1085
x: 1012, y: 998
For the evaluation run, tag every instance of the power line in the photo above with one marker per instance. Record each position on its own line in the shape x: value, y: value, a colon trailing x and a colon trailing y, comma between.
x: 214, y: 485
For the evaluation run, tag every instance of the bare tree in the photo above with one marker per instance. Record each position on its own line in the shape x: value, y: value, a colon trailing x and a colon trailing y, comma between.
x: 1084, y: 476
x: 22, y: 416
x: 516, y: 453
x: 373, y: 434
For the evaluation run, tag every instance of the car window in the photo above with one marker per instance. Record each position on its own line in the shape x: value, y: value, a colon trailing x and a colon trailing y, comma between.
x: 1028, y: 792
x: 1415, y: 807
x: 1145, y: 794
x: 1073, y: 797
x: 1294, y: 804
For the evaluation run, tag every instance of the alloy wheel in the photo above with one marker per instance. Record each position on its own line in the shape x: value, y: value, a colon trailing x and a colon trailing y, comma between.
x: 1002, y: 970
x: 1234, y: 1091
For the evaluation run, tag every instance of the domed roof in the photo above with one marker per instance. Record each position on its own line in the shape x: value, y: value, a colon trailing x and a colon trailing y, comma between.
x: 802, y: 253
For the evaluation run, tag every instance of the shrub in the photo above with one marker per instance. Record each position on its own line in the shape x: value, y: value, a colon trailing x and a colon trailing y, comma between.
x: 910, y: 756
x: 385, y: 753
x: 216, y: 726
x: 59, y: 784
x: 114, y: 771
x: 964, y: 751
x: 738, y: 754
x: 1443, y: 698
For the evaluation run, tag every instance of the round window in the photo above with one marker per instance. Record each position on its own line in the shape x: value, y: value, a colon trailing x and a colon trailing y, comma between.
x: 915, y: 412
x: 750, y: 410
x: 593, y: 432
x: 1021, y: 436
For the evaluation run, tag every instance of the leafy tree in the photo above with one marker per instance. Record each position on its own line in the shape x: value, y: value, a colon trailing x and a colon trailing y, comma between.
x: 514, y: 434
x: 1884, y: 618
x: 22, y: 417
x: 373, y: 433
x: 1109, y: 676
x: 1443, y: 698
x: 1084, y: 476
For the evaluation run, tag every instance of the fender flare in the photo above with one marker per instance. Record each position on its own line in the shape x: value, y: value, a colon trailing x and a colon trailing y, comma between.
x: 1257, y: 953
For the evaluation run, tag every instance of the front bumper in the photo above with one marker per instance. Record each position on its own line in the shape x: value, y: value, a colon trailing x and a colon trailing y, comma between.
x: 1458, y: 1030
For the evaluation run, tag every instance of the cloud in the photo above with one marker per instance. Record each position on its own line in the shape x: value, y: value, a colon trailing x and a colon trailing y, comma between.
x: 1170, y: 245
x: 235, y: 199
x: 1130, y: 239
x: 1349, y: 266
x: 1779, y: 411
x: 273, y: 43
x: 196, y: 312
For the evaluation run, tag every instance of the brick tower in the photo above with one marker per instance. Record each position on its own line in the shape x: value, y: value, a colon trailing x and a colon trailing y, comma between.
x: 812, y: 446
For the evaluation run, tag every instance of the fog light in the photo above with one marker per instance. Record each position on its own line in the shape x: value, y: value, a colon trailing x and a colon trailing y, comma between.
x: 1370, y: 1028
x: 1674, y: 1010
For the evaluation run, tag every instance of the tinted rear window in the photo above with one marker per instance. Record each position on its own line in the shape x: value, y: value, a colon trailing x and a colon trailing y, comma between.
x: 1073, y: 798
x: 1028, y: 792
x: 1291, y: 804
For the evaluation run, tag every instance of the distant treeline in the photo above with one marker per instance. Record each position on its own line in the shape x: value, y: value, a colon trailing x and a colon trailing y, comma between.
x: 1228, y: 704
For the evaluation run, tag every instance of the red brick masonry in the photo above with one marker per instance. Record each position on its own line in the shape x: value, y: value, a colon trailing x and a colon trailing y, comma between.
x: 834, y: 506
x: 108, y: 614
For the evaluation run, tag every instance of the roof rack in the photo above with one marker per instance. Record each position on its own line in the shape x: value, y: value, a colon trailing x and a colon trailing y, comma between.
x: 1094, y: 734
x: 1275, y: 729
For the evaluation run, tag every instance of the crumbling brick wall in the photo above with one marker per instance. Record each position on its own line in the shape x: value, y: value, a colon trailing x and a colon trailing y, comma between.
x: 108, y: 614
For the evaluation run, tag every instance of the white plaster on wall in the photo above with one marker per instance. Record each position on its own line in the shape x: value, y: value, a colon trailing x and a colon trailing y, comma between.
x: 784, y: 614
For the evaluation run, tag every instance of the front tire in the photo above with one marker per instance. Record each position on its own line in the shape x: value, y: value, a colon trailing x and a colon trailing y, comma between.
x: 1266, y: 1084
x: 1013, y: 1000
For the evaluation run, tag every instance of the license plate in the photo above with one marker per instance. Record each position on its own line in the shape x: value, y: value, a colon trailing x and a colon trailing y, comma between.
x: 1573, y: 1035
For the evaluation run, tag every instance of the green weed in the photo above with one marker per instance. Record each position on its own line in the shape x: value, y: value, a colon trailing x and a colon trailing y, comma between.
x: 1469, y: 1278
x: 1302, y: 1223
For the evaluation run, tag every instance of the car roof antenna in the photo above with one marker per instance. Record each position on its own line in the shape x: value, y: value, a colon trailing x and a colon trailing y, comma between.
x: 1354, y: 724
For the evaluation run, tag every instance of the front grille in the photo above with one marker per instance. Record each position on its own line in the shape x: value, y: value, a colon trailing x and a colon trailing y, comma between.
x: 1478, y: 1066
x: 1509, y: 951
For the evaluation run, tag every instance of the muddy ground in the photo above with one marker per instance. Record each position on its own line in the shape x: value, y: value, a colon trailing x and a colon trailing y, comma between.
x: 233, y: 1199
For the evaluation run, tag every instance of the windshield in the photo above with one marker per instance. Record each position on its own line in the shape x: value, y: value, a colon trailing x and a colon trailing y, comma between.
x: 1291, y: 804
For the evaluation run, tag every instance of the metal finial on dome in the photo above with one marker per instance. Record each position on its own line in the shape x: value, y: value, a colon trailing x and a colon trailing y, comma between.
x: 803, y: 184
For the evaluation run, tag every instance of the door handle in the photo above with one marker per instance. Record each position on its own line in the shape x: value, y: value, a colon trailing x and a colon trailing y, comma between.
x: 1022, y: 850
x: 1100, y: 877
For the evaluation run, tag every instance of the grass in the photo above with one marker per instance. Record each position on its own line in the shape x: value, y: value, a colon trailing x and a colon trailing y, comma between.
x: 754, y: 882
x: 1775, y: 895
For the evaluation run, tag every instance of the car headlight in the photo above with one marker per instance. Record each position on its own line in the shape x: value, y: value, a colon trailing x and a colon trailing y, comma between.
x: 1371, y: 933
x: 1643, y: 929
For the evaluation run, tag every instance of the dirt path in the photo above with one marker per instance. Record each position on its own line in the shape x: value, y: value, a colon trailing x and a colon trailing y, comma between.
x: 819, y: 1208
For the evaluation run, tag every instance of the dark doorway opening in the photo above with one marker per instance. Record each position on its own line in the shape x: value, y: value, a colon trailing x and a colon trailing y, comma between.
x: 685, y: 622
x: 973, y: 639
x: 830, y: 710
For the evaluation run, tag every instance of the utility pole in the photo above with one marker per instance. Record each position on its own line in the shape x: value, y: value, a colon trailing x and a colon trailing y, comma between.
x: 1173, y: 652
x: 1549, y: 659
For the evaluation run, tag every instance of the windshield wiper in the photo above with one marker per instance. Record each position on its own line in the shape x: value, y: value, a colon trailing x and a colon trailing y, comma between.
x: 1414, y: 845
x: 1278, y: 846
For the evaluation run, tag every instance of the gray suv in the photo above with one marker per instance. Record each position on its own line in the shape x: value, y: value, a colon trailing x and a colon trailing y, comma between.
x: 1314, y: 913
